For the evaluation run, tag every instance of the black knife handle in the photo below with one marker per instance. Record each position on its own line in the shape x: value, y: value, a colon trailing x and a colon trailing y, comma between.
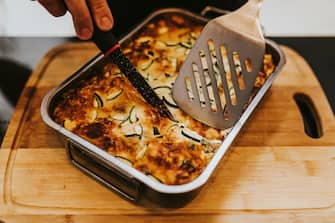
x: 105, y: 40
x: 109, y: 45
x: 138, y: 81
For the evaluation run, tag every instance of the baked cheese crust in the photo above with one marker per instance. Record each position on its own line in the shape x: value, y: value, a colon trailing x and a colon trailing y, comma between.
x: 107, y: 111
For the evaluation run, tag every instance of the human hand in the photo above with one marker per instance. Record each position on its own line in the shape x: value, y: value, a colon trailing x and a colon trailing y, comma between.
x: 83, y: 13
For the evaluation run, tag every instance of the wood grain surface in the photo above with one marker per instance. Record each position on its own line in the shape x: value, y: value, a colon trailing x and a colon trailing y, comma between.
x: 273, y: 172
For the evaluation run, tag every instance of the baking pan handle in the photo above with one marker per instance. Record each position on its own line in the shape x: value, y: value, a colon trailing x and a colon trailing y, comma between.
x: 212, y: 11
x: 127, y: 187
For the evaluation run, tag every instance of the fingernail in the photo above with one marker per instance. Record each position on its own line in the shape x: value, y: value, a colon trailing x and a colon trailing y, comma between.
x: 106, y: 22
x: 85, y: 33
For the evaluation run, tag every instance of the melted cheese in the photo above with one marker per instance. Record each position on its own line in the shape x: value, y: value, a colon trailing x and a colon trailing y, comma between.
x: 107, y: 111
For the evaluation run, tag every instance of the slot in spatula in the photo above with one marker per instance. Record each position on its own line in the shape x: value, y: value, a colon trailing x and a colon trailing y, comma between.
x: 216, y: 80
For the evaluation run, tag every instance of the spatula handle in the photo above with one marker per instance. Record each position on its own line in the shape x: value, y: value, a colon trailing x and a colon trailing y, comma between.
x: 245, y: 18
x: 251, y: 8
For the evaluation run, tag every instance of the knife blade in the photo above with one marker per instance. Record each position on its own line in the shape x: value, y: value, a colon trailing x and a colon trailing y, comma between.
x: 110, y: 47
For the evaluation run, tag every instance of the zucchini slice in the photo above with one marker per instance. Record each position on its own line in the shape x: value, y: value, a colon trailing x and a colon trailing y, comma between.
x: 139, y: 129
x: 120, y: 119
x: 153, y: 177
x: 138, y: 132
x: 160, y: 44
x: 174, y: 62
x: 171, y: 43
x: 132, y: 115
x: 169, y: 101
x: 150, y: 53
x: 167, y: 75
x: 146, y: 65
x: 124, y: 160
x: 155, y: 131
x: 92, y: 116
x: 97, y: 101
x: 164, y: 92
x: 186, y: 164
x: 192, y: 35
x: 114, y: 95
x: 141, y: 152
x: 69, y: 124
x: 191, y: 135
x: 187, y: 45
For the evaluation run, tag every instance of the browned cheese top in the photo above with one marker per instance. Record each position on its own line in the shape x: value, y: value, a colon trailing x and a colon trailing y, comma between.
x: 106, y: 110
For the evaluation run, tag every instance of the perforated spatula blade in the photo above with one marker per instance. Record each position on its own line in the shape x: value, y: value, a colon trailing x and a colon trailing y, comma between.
x: 216, y: 80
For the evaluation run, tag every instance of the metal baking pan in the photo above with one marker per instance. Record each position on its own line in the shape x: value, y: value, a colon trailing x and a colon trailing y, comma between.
x: 125, y: 180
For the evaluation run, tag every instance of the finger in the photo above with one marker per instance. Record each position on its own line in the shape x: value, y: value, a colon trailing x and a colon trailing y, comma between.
x: 81, y: 18
x: 102, y: 14
x: 54, y: 7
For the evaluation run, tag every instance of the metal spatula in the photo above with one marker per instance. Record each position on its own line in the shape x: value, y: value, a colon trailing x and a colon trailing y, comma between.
x: 216, y: 80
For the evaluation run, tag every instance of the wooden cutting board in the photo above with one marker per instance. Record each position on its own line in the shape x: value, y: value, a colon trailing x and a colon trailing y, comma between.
x: 274, y: 172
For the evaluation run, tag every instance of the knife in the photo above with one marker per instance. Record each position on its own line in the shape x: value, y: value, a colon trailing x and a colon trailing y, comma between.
x: 110, y: 47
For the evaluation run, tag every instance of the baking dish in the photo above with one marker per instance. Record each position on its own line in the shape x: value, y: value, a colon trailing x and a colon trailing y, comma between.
x: 122, y: 178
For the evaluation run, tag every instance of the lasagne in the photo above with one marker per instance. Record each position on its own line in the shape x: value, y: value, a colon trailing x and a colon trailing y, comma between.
x: 106, y: 110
